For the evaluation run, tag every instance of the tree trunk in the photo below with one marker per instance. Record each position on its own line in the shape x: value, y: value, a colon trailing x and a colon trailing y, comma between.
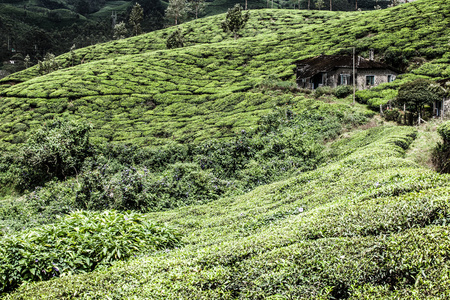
x: 245, y: 4
x: 331, y: 5
x: 356, y: 5
x: 309, y: 4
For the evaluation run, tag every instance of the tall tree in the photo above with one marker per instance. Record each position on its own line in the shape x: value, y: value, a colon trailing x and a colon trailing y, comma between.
x: 176, y: 10
x: 416, y: 94
x: 120, y: 31
x: 196, y: 6
x: 235, y: 20
x: 136, y: 17
x: 320, y: 4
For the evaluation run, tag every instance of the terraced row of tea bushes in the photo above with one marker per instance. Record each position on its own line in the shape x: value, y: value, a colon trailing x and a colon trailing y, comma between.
x: 78, y: 243
x: 369, y: 225
x: 141, y: 119
x: 419, y: 30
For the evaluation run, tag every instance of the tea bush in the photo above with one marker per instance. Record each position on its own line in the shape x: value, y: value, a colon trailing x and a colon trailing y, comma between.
x: 343, y: 91
x: 80, y: 242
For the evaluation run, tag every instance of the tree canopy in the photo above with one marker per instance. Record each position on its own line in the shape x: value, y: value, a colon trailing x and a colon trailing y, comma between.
x: 235, y: 20
x: 416, y: 94
x: 136, y: 17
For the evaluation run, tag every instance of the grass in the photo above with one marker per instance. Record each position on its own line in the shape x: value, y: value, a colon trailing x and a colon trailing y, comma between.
x: 427, y: 139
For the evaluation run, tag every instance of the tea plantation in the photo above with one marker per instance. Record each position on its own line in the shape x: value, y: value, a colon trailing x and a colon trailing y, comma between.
x: 203, y: 172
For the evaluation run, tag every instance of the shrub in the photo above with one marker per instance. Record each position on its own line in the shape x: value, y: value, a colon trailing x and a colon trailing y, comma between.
x: 138, y: 189
x: 323, y: 90
x: 343, y: 91
x: 57, y: 150
x: 79, y: 243
x: 175, y: 40
x: 416, y: 94
x: 393, y: 115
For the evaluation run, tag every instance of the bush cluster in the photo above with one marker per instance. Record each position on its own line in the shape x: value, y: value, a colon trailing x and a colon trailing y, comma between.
x: 79, y: 243
x: 57, y: 150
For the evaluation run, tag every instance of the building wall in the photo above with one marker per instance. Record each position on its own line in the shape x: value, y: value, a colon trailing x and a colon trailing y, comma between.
x: 381, y: 76
x: 447, y: 108
x: 333, y: 78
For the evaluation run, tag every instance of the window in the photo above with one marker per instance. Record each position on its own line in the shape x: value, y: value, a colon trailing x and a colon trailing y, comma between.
x: 370, y: 80
x: 344, y: 79
x: 390, y: 78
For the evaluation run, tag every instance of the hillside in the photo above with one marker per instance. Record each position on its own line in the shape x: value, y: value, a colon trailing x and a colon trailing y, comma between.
x: 174, y: 93
x: 208, y: 175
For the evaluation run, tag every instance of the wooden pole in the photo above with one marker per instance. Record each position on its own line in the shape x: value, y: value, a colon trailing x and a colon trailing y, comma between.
x: 354, y: 78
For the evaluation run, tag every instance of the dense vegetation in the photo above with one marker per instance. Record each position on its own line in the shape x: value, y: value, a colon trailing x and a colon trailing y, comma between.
x: 379, y: 220
x: 203, y: 172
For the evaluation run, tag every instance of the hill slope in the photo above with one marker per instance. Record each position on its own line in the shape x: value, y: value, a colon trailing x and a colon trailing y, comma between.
x: 370, y: 225
x: 186, y: 83
x: 271, y: 213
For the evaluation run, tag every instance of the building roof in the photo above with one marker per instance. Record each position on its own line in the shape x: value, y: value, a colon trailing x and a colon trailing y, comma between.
x: 327, y: 63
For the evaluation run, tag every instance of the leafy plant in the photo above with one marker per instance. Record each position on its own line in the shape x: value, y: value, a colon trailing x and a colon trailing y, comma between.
x: 57, y: 150
x: 416, y: 94
x: 48, y: 64
x: 175, y: 40
x: 136, y: 17
x: 235, y: 20
x: 80, y: 242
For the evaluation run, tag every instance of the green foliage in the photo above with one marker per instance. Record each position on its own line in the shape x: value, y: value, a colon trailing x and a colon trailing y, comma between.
x: 444, y: 132
x: 127, y: 177
x: 380, y: 222
x: 416, y: 94
x: 136, y: 17
x: 49, y: 64
x: 120, y: 31
x: 273, y: 83
x: 175, y: 40
x: 180, y: 184
x: 343, y: 91
x: 235, y: 20
x: 80, y: 242
x: 57, y: 150
x: 319, y: 4
x: 169, y: 105
x: 393, y: 115
x: 323, y: 90
x: 196, y: 7
x: 176, y: 10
